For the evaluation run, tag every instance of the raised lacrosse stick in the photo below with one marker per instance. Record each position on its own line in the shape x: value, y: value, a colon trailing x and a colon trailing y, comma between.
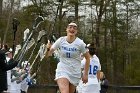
x: 56, y: 52
x: 18, y: 47
x: 29, y: 45
x: 41, y: 47
x: 41, y: 34
x: 26, y: 33
x: 45, y: 50
x: 42, y: 52
x: 37, y: 21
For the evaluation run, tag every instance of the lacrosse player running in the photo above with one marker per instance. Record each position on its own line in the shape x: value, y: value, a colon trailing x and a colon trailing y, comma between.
x: 68, y: 72
x: 93, y: 85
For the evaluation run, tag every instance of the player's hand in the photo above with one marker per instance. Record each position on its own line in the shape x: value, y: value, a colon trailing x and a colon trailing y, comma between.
x: 10, y: 55
x: 85, y: 78
x: 47, y: 51
x: 48, y: 44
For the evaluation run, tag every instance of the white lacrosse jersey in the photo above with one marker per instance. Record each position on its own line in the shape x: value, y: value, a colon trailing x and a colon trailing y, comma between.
x: 8, y: 76
x: 8, y: 73
x: 94, y: 67
x: 70, y: 59
x: 24, y: 85
x: 15, y: 88
x: 92, y: 86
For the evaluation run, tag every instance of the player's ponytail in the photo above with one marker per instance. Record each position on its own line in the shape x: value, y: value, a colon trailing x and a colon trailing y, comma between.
x: 92, y: 48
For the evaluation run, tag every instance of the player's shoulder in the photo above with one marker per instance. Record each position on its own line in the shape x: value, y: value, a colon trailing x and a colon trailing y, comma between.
x: 62, y: 38
x: 96, y: 57
x: 79, y: 41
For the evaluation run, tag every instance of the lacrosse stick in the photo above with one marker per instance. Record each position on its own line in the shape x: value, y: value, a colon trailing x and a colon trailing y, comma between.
x: 56, y: 52
x: 45, y: 50
x: 41, y: 47
x: 29, y: 45
x: 41, y: 34
x: 15, y: 74
x: 42, y: 52
x: 18, y: 47
x: 38, y: 20
x: 26, y: 32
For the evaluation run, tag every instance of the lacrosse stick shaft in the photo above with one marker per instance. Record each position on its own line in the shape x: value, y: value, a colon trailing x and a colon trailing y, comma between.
x: 36, y: 57
x: 34, y: 61
x: 21, y: 57
x: 32, y: 52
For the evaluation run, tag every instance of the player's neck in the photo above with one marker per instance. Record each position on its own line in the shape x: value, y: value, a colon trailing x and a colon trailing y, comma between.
x: 70, y: 39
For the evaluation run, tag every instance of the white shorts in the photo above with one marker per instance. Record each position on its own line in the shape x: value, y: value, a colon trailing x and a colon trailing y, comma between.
x: 62, y: 74
x: 93, y: 88
x: 79, y: 87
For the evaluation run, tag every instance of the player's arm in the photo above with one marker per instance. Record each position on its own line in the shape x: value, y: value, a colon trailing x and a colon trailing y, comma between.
x: 86, y: 67
x: 98, y: 75
x: 49, y: 50
x: 52, y: 47
x: 99, y: 72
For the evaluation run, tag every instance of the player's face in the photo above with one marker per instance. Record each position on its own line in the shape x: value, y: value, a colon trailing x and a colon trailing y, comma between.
x: 71, y: 30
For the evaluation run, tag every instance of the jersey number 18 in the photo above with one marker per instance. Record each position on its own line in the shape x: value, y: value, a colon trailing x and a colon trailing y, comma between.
x: 93, y: 69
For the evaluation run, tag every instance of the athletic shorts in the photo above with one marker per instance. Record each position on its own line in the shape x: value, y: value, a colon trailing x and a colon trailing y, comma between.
x: 79, y: 87
x: 93, y: 88
x: 73, y: 80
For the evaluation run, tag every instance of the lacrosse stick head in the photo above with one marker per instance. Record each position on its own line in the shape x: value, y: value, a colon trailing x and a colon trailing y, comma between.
x: 41, y: 34
x: 37, y: 21
x: 15, y: 24
x: 26, y: 32
x: 30, y: 44
x: 53, y: 38
x: 41, y: 51
x: 25, y: 64
x: 18, y: 47
x: 34, y: 81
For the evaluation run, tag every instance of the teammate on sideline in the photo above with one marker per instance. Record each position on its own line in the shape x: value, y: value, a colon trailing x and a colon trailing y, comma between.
x: 28, y: 80
x: 93, y: 85
x: 4, y: 67
x: 9, y: 71
x: 13, y: 87
x: 104, y: 83
x: 68, y: 72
